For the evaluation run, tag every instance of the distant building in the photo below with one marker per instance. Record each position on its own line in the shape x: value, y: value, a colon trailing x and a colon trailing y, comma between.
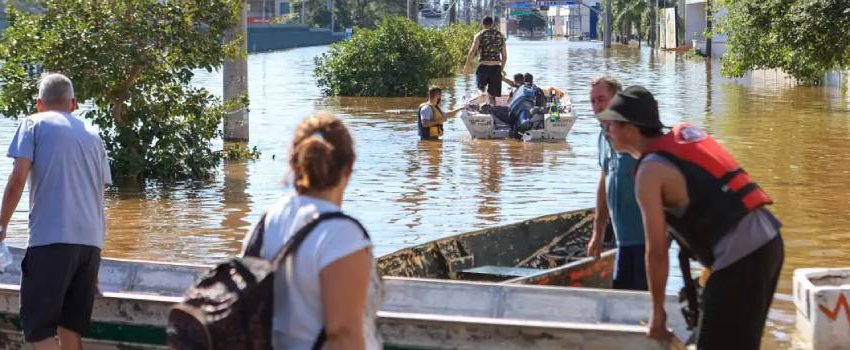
x: 263, y: 11
x: 695, y: 27
x: 574, y: 20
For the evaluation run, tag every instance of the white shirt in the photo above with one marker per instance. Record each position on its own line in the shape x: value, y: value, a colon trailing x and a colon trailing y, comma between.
x: 298, y: 315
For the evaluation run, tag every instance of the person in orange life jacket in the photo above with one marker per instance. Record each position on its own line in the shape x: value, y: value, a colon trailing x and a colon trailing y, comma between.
x: 493, y: 54
x: 430, y: 118
x: 686, y: 180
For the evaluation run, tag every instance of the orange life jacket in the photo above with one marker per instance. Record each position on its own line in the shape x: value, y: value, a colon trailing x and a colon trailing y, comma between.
x: 721, y: 193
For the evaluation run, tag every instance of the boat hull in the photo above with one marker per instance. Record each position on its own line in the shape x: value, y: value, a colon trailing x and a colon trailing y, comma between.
x: 486, y: 126
x: 132, y: 312
x: 547, y: 250
x: 417, y: 314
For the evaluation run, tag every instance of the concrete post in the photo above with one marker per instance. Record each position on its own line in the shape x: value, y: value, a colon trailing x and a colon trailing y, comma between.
x: 413, y: 10
x: 236, y: 83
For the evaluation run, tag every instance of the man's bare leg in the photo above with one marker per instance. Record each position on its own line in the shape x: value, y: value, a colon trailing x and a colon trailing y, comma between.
x: 70, y: 340
x: 47, y: 344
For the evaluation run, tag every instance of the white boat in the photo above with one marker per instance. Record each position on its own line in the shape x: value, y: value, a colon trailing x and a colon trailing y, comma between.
x: 486, y: 126
x: 417, y: 313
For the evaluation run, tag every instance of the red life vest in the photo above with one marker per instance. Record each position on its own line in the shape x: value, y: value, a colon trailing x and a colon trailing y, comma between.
x: 720, y: 192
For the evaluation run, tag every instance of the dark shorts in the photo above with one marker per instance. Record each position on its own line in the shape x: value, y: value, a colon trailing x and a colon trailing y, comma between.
x: 489, y: 78
x: 630, y: 271
x: 736, y: 299
x: 58, y: 285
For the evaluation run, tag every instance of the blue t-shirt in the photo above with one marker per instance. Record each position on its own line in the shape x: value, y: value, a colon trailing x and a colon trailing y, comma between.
x: 70, y: 171
x: 620, y: 194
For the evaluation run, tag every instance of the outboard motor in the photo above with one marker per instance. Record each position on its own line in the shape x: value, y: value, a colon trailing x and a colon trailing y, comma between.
x: 523, y: 111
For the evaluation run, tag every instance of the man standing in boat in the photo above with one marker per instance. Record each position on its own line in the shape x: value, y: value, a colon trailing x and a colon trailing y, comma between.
x: 615, y: 200
x: 430, y: 117
x: 686, y: 180
x: 493, y: 54
x: 68, y: 170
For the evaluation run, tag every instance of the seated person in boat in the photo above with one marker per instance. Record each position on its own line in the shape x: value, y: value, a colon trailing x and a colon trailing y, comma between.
x: 430, y: 118
x: 525, y: 105
x: 518, y: 80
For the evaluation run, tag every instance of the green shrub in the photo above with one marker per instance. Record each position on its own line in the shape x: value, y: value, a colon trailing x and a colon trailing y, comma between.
x: 132, y: 61
x: 398, y: 58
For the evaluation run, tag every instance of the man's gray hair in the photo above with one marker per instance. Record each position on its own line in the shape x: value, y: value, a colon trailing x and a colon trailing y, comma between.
x: 610, y: 82
x: 55, y: 90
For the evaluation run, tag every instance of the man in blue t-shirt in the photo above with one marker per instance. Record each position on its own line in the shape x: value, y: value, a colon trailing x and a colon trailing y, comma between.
x: 66, y: 164
x: 615, y: 200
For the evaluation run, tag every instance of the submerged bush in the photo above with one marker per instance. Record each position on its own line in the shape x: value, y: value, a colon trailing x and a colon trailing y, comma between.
x: 398, y: 58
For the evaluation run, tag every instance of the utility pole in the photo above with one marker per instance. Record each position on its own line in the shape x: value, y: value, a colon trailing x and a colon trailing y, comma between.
x: 609, y: 32
x: 303, y: 12
x: 235, y: 73
x: 709, y: 9
x: 682, y: 14
x: 331, y: 8
x: 654, y: 30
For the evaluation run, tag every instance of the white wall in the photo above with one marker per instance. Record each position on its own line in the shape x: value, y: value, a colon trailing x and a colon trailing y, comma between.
x: 695, y: 27
x: 694, y: 22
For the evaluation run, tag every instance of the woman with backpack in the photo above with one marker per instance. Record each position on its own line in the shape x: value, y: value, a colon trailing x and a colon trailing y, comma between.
x: 327, y: 292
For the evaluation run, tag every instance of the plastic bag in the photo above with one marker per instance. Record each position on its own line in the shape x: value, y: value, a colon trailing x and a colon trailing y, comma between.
x: 5, y: 257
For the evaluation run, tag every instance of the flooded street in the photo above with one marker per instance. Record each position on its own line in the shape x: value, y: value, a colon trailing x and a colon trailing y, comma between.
x: 792, y: 140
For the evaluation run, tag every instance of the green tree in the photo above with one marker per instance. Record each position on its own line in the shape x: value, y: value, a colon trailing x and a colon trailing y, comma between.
x: 803, y: 38
x: 398, y: 58
x: 132, y: 62
x: 638, y: 17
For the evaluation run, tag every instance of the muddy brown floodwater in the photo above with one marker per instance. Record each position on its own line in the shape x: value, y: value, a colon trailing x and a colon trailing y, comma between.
x: 793, y: 140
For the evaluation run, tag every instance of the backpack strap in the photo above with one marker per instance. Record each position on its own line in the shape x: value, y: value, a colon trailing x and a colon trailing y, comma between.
x: 255, y: 244
x: 292, y: 245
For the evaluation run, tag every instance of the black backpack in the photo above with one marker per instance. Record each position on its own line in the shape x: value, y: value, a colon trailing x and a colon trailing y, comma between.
x: 230, y: 307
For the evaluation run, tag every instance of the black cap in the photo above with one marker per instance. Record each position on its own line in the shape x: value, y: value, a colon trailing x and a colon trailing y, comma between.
x: 633, y: 105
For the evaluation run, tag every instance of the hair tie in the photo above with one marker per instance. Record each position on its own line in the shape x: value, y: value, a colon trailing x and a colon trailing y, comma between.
x: 318, y: 134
